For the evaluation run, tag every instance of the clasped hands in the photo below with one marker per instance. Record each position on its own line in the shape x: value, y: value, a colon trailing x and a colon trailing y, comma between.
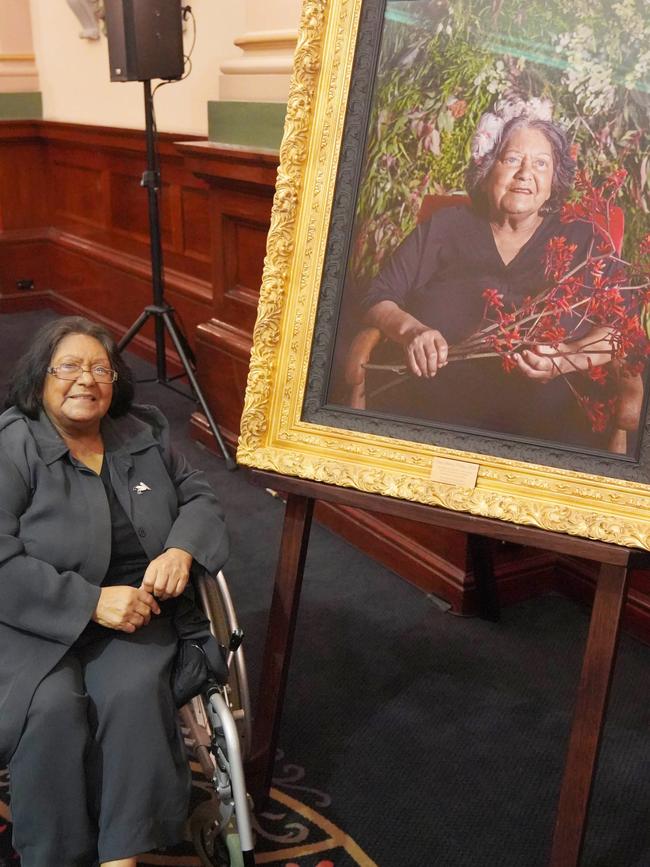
x: 128, y: 608
x: 427, y: 351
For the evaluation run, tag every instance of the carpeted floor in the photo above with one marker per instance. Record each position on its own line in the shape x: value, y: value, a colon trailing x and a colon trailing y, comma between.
x: 412, y: 738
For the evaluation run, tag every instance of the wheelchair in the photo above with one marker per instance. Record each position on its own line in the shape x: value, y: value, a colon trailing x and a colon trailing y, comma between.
x: 217, y: 730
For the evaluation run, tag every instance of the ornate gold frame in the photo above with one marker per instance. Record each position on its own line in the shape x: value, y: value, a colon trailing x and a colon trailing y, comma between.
x: 273, y: 437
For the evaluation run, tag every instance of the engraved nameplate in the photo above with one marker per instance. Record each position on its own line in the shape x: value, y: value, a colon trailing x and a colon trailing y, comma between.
x: 460, y: 473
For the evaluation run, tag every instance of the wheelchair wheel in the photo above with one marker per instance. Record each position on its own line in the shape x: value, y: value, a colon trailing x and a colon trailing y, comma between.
x: 207, y: 837
x: 215, y: 846
x: 220, y: 611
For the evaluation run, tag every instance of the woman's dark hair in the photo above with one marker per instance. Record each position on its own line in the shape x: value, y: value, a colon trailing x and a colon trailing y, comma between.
x: 28, y: 377
x: 564, y: 166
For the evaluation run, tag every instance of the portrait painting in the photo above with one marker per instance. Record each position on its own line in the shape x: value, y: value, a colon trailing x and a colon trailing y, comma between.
x: 459, y: 259
x: 498, y: 267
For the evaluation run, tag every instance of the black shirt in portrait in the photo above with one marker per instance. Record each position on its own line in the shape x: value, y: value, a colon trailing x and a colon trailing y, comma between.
x: 439, y: 275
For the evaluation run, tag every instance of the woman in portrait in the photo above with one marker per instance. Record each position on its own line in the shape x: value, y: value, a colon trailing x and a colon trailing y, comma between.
x: 100, y: 524
x: 431, y: 293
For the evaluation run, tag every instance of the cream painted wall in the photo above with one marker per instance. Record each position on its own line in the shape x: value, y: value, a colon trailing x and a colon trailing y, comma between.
x: 272, y: 14
x: 15, y: 28
x: 17, y: 67
x: 74, y: 73
x: 263, y: 73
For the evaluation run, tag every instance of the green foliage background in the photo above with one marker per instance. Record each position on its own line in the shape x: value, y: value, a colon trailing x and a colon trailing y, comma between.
x: 442, y: 64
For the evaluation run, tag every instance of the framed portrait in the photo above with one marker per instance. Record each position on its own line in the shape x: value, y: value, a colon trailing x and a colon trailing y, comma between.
x: 455, y: 299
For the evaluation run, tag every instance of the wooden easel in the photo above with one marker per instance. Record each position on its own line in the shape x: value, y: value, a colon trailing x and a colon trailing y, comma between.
x: 598, y: 661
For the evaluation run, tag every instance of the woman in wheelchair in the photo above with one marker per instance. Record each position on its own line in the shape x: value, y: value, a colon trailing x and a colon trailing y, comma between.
x: 431, y: 293
x: 100, y: 523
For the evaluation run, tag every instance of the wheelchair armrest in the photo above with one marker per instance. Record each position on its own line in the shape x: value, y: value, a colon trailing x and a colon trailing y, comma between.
x: 629, y: 390
x: 359, y: 354
x: 630, y: 401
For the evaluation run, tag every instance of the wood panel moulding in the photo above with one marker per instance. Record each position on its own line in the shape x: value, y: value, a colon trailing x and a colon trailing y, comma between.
x: 23, y: 191
x: 241, y: 223
x: 195, y: 223
x: 23, y: 256
x: 222, y: 353
x: 241, y: 186
x: 78, y: 193
x: 238, y: 166
x: 577, y: 578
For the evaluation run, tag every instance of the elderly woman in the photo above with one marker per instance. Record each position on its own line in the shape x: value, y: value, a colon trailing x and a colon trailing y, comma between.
x: 430, y: 294
x: 100, y: 523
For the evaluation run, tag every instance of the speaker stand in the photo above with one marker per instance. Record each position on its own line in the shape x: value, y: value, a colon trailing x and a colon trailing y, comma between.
x: 160, y: 311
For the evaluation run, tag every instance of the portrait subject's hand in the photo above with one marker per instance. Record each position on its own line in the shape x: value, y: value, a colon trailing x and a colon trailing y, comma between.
x: 124, y: 608
x: 426, y: 352
x: 168, y: 574
x: 540, y: 362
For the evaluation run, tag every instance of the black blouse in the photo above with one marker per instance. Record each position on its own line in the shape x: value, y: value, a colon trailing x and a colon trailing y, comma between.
x: 438, y: 275
x: 128, y: 559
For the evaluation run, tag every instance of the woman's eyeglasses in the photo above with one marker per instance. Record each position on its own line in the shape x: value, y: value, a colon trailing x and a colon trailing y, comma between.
x: 71, y: 371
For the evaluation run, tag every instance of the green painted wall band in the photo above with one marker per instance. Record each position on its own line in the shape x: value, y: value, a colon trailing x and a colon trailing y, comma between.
x: 252, y: 124
x: 21, y: 106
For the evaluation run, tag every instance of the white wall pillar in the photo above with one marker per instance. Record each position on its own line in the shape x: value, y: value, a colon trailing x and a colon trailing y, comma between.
x: 18, y: 73
x: 262, y: 73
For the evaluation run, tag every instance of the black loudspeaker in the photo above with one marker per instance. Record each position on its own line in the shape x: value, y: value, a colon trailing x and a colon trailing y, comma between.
x: 145, y: 39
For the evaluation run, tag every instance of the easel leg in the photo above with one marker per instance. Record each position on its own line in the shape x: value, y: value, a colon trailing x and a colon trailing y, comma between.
x: 483, y: 568
x: 279, y: 641
x: 591, y: 705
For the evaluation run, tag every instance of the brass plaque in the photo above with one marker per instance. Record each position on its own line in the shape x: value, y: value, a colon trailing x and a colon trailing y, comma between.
x: 460, y: 473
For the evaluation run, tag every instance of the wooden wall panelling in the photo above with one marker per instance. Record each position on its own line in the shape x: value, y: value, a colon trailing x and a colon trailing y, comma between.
x: 241, y: 224
x: 437, y: 560
x: 129, y: 211
x: 78, y: 191
x: 114, y: 287
x: 241, y: 185
x: 23, y: 215
x: 23, y: 184
x: 24, y: 255
x: 98, y: 253
x: 577, y: 578
x: 222, y: 353
x: 195, y: 237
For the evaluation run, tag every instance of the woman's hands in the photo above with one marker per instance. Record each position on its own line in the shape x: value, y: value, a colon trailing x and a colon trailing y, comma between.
x: 425, y: 348
x: 128, y: 608
x: 124, y: 608
x: 426, y: 352
x: 541, y: 362
x: 168, y: 574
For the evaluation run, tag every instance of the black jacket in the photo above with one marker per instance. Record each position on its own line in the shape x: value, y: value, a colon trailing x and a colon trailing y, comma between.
x: 55, y: 536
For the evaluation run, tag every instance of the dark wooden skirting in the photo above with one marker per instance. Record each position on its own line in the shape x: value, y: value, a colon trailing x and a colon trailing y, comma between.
x: 577, y: 579
x: 73, y: 219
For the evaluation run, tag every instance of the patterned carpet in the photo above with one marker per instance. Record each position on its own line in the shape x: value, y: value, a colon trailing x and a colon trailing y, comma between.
x: 294, y: 830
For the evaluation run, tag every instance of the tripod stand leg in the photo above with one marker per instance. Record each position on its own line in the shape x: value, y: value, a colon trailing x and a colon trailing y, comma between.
x: 161, y: 361
x: 133, y: 330
x: 171, y: 327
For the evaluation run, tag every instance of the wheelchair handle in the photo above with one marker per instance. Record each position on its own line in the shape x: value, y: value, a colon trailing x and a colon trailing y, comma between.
x: 236, y: 639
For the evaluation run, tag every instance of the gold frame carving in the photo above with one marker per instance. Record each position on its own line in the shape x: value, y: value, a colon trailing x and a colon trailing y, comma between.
x: 273, y: 436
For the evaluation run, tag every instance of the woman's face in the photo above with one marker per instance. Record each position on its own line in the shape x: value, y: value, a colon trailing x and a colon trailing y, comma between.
x: 521, y: 179
x: 77, y: 405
